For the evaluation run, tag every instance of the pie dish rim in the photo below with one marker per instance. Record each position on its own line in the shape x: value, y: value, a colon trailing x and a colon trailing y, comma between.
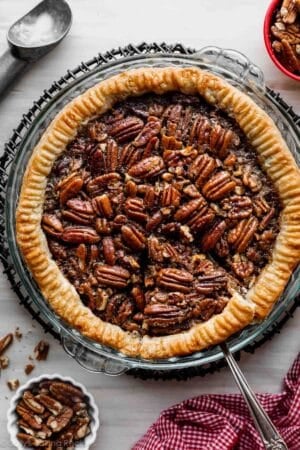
x: 239, y: 311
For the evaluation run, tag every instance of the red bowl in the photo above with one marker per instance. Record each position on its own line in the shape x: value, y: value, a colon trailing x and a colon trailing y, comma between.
x: 268, y: 42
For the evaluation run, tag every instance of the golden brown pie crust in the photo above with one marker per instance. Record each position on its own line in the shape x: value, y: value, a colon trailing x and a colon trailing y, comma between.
x: 274, y: 157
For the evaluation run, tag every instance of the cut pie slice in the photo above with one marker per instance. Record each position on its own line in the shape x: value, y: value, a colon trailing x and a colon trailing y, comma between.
x: 159, y: 213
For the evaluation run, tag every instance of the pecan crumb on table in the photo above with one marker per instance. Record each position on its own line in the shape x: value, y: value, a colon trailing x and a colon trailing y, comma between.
x: 41, y: 350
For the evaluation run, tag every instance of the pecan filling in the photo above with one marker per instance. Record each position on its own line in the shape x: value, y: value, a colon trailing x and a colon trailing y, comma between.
x: 157, y: 210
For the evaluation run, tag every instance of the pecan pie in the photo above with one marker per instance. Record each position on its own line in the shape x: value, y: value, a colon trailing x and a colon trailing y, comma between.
x: 160, y: 212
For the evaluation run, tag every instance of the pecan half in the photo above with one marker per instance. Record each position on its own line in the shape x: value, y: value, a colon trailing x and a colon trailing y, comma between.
x: 154, y: 221
x: 200, y: 130
x: 135, y: 209
x: 78, y: 235
x: 159, y: 308
x: 112, y: 156
x: 147, y: 168
x: 151, y: 129
x: 131, y: 188
x: 66, y: 392
x: 165, y: 319
x: 175, y: 279
x: 102, y: 226
x: 102, y: 205
x: 218, y: 186
x: 41, y: 350
x: 212, y: 282
x: 32, y: 403
x: 109, y: 251
x: 170, y: 196
x: 80, y: 211
x: 213, y: 235
x: 69, y: 187
x: 139, y: 297
x: 129, y: 156
x: 5, y: 342
x: 54, y: 406
x: 114, y: 276
x: 133, y: 237
x: 81, y: 253
x: 201, y: 218
x: 261, y: 206
x: 266, y: 219
x: 125, y: 129
x: 241, y: 236
x: 97, y: 184
x: 221, y: 140
x: 60, y: 421
x: 289, y: 10
x: 150, y: 196
x: 33, y: 420
x: 187, y: 209
x: 52, y: 225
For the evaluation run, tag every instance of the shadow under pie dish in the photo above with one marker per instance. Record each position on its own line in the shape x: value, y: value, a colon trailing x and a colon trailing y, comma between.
x: 159, y: 213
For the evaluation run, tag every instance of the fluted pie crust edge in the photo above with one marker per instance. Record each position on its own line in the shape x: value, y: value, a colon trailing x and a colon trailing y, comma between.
x: 274, y: 156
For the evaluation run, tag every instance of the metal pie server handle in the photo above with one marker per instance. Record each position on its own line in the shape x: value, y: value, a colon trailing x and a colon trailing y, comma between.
x: 269, y: 434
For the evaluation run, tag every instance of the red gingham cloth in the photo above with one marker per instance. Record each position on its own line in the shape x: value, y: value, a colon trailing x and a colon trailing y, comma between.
x: 222, y: 422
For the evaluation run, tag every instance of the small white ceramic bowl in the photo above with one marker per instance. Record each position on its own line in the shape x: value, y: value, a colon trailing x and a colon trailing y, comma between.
x: 12, y: 417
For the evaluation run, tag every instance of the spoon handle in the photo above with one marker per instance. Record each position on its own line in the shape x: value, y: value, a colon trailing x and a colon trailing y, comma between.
x: 10, y: 68
x: 269, y: 434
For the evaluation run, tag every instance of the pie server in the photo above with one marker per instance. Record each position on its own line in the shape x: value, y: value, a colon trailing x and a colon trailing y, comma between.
x: 267, y: 430
x: 32, y: 36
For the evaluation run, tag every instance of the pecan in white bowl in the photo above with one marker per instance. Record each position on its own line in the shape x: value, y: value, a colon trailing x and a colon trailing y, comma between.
x: 52, y: 410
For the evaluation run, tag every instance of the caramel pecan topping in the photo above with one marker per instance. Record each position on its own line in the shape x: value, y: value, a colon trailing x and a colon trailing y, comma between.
x: 134, y: 198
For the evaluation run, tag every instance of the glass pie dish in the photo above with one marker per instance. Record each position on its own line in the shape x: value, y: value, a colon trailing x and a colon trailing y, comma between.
x: 240, y: 72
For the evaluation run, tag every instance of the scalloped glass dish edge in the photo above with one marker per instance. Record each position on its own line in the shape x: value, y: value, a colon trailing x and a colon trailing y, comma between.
x: 237, y: 69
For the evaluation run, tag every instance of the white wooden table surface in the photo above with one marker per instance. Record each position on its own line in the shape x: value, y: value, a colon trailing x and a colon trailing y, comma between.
x: 127, y: 405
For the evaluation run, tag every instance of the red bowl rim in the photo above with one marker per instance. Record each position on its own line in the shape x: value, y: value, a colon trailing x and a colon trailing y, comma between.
x: 267, y: 38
